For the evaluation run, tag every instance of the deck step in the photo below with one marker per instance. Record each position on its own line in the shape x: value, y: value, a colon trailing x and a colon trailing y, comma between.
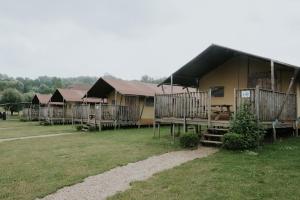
x: 211, y: 142
x: 213, y: 135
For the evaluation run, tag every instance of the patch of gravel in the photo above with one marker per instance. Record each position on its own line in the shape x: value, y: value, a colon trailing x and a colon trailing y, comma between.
x: 35, y: 136
x: 118, y: 179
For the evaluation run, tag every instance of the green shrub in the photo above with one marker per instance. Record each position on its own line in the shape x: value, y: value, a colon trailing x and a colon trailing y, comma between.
x: 244, y: 131
x: 189, y: 140
x: 79, y: 127
x: 234, y: 141
x: 92, y: 128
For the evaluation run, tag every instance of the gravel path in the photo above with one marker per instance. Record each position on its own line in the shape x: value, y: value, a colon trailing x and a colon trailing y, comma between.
x: 35, y: 136
x: 118, y: 179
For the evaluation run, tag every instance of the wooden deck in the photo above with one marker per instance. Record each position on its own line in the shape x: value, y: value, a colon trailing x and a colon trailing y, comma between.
x: 272, y: 109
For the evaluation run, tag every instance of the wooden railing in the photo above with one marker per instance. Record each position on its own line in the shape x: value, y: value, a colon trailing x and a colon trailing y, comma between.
x: 108, y: 112
x: 56, y: 112
x: 43, y: 113
x: 183, y: 105
x: 266, y: 104
x: 105, y: 112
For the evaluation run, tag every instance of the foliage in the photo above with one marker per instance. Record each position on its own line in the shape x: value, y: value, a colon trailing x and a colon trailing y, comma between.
x: 244, y: 130
x: 79, y: 127
x: 235, y: 141
x: 42, y: 84
x: 189, y: 140
x: 148, y: 79
x: 27, y: 97
x: 92, y: 128
x: 12, y: 96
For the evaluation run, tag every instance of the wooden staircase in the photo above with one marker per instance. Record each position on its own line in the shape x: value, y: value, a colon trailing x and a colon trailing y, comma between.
x: 213, y: 136
x: 85, y: 127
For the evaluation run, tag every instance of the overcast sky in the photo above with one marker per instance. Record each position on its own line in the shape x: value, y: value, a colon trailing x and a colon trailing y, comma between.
x: 130, y: 38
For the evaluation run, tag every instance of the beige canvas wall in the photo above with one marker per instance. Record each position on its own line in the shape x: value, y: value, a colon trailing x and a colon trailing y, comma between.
x: 234, y: 74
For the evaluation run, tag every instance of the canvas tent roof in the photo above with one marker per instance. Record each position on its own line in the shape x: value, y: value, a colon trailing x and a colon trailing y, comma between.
x: 104, y: 86
x: 209, y: 59
x: 41, y: 98
x: 69, y: 95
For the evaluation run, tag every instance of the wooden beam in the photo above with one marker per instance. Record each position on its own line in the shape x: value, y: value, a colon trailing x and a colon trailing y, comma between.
x: 272, y: 76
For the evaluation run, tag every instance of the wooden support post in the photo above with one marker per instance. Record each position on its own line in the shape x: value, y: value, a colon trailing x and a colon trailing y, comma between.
x: 234, y: 102
x: 159, y: 130
x: 273, y: 88
x: 72, y: 115
x: 63, y: 112
x: 274, y: 130
x: 257, y: 102
x: 173, y: 132
x: 184, y: 124
x: 100, y: 117
x: 154, y: 128
x: 209, y: 108
x: 296, y: 128
x: 272, y: 76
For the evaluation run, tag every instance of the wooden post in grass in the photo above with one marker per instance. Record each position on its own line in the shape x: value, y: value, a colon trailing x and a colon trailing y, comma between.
x: 274, y: 130
x: 100, y: 117
x: 158, y: 130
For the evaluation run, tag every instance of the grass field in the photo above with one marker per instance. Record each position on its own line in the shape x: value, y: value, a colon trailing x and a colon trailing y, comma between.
x: 270, y: 173
x: 14, y: 128
x: 35, y: 167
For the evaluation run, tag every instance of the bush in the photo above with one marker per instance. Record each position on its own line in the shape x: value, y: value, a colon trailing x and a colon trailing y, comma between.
x: 244, y: 131
x: 79, y: 127
x: 92, y: 128
x: 189, y: 140
x: 234, y: 141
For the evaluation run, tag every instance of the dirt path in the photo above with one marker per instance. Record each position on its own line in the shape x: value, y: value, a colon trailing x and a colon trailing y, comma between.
x: 118, y: 179
x: 35, y: 136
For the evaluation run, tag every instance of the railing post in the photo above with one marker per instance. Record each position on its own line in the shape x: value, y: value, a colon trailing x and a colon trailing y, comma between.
x: 257, y: 102
x: 209, y: 107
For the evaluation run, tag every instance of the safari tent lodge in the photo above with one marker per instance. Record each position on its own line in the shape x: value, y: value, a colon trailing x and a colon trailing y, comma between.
x: 37, y: 110
x: 125, y: 103
x: 225, y: 79
x: 63, y: 103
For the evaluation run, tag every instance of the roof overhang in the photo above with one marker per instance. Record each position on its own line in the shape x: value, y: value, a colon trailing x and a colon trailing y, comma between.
x: 209, y: 59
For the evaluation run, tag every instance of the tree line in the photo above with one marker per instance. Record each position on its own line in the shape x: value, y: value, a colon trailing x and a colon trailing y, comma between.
x: 17, y: 90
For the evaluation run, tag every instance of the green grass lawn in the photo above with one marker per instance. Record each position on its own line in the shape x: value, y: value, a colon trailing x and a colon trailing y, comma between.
x: 14, y: 128
x: 35, y: 167
x: 270, y: 173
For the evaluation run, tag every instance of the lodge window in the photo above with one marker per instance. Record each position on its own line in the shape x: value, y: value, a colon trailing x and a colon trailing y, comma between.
x: 217, y: 91
x: 149, y: 102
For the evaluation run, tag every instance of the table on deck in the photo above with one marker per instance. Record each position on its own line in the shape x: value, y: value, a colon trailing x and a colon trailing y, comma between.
x: 224, y: 111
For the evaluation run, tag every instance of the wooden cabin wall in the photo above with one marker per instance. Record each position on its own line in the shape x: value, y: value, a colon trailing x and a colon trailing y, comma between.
x: 148, y: 111
x: 239, y: 73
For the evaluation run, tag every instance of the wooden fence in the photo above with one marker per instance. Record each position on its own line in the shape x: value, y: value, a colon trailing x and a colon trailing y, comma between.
x: 183, y: 105
x: 266, y: 104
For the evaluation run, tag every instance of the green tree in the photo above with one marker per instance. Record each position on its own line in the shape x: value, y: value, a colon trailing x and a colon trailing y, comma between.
x: 12, y: 98
x: 27, y: 97
x: 44, y: 89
